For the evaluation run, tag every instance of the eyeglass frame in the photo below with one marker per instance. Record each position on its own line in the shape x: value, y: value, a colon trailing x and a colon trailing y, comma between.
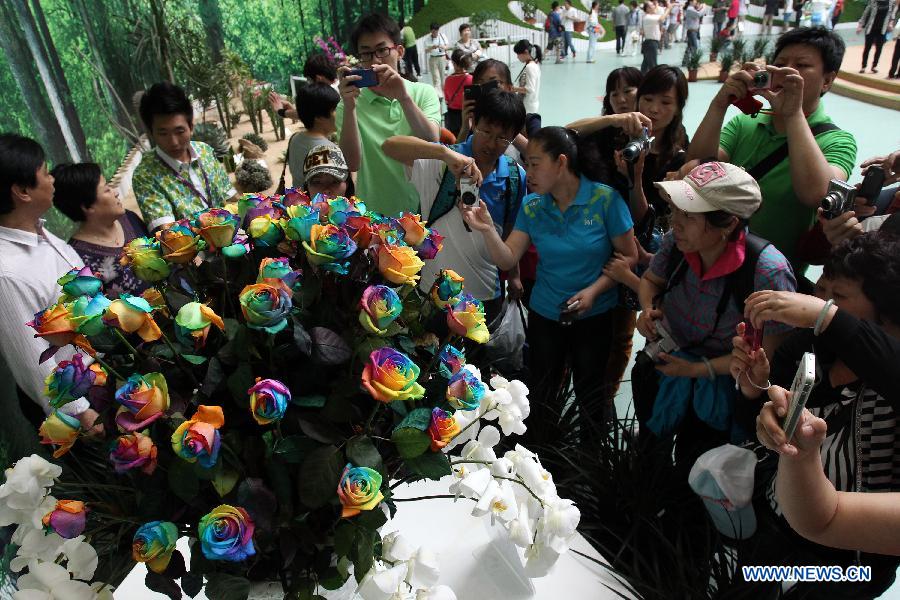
x: 374, y: 53
x: 496, y: 138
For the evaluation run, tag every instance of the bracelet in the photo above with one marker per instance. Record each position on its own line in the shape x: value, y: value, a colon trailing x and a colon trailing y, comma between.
x: 709, y: 368
x: 817, y: 328
x: 762, y: 389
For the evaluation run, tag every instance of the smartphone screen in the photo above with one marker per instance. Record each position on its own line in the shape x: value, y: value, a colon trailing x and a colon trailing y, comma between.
x: 369, y: 79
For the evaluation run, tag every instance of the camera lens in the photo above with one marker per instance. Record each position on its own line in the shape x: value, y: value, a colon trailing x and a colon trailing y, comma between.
x: 468, y: 198
x: 631, y: 152
x: 830, y: 202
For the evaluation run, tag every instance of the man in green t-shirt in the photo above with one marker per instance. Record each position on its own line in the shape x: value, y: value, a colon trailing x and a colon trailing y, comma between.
x: 805, y: 65
x: 366, y: 117
x: 411, y: 53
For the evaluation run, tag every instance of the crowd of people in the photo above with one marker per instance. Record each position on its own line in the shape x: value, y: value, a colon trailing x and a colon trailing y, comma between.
x: 617, y: 222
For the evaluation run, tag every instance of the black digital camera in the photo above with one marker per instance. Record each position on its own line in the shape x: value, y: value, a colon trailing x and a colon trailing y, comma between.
x: 839, y: 199
x: 637, y: 146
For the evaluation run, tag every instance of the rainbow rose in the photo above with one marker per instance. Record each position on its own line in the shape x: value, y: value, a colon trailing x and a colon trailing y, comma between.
x: 80, y: 282
x: 452, y: 360
x: 178, y: 243
x: 145, y: 259
x: 143, y: 399
x: 298, y: 222
x: 192, y: 324
x: 293, y: 196
x: 431, y: 245
x: 328, y: 246
x: 466, y: 318
x: 67, y: 519
x: 100, y: 375
x: 265, y: 307
x: 447, y: 288
x: 87, y: 313
x: 154, y: 543
x: 69, y: 381
x: 226, y: 533
x: 391, y: 375
x: 414, y: 230
x: 465, y: 390
x: 442, y: 429
x: 198, y: 439
x: 218, y: 227
x: 132, y: 451
x: 278, y: 272
x: 59, y: 429
x: 380, y: 306
x: 360, y: 230
x: 269, y: 399
x: 340, y: 209
x: 264, y: 231
x: 399, y: 264
x: 359, y: 490
x: 133, y: 314
x: 58, y: 326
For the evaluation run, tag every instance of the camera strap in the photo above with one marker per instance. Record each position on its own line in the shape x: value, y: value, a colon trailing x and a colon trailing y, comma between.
x: 762, y: 168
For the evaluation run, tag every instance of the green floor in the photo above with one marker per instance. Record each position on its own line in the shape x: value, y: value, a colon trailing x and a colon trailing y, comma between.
x: 572, y: 91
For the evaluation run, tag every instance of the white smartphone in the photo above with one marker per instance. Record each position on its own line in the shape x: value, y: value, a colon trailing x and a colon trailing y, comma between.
x: 803, y: 384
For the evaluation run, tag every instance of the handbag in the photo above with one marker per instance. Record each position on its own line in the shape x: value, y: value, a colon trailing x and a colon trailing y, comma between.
x: 504, y: 351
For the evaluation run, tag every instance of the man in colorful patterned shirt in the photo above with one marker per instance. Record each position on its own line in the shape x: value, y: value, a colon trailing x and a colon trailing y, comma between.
x: 178, y: 177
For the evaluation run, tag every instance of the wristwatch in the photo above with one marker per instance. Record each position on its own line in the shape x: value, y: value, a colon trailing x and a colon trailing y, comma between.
x: 281, y: 112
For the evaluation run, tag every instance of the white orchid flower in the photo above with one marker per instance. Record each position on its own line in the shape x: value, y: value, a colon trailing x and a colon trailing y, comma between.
x: 558, y: 524
x: 520, y: 531
x: 468, y: 427
x: 440, y: 592
x: 475, y: 483
x: 381, y: 582
x: 499, y: 501
x: 49, y: 581
x: 503, y: 467
x: 482, y: 448
x: 81, y: 558
x: 424, y: 569
x: 539, y: 560
x: 396, y: 548
x: 34, y: 545
x: 25, y: 488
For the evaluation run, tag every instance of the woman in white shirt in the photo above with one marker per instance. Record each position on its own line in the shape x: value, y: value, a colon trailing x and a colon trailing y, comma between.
x: 467, y: 44
x: 529, y: 80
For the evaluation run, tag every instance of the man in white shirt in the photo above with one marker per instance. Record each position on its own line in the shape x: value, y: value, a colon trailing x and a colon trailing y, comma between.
x: 435, y: 170
x: 569, y: 16
x: 436, y: 46
x: 31, y: 261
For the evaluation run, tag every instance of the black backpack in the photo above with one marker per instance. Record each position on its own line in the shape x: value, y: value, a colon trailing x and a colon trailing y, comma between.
x: 738, y: 285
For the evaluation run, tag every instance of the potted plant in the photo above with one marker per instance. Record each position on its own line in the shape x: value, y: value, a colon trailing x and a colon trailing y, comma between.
x: 483, y: 22
x: 529, y: 10
x: 739, y: 51
x: 692, y: 61
x: 725, y: 66
x: 715, y: 45
x: 760, y: 47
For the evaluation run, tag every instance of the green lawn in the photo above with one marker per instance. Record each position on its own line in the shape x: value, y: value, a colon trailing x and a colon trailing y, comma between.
x: 444, y: 11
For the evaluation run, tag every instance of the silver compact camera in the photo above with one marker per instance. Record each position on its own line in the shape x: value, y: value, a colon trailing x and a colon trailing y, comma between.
x: 839, y: 199
x: 468, y: 191
x: 633, y: 149
x: 664, y: 343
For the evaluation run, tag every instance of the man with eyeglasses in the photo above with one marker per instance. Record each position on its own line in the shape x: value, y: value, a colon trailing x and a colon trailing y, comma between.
x: 435, y: 171
x: 367, y: 116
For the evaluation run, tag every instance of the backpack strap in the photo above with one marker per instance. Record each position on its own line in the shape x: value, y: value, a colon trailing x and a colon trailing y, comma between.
x: 744, y: 279
x: 287, y: 155
x: 445, y: 199
x: 773, y: 159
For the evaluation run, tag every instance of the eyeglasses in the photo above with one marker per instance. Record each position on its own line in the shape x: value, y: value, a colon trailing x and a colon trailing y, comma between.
x: 382, y: 52
x: 493, y: 139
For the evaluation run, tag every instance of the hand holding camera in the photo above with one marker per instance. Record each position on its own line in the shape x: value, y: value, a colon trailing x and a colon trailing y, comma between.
x: 477, y: 217
x: 347, y: 87
x: 749, y: 363
x: 664, y: 344
x: 633, y: 123
x: 463, y: 166
x: 390, y: 84
x: 646, y: 323
x: 638, y: 146
x: 784, y: 425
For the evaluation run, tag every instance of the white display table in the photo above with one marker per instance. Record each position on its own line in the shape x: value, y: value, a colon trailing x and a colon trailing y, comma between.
x: 470, y: 563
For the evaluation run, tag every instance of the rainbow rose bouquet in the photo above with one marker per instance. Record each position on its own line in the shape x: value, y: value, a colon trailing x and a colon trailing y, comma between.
x: 284, y: 370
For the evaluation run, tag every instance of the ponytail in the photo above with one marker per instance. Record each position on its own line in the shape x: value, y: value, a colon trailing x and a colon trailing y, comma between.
x: 523, y: 46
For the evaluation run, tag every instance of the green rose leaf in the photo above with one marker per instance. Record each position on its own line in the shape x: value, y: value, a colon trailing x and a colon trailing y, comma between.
x: 183, y: 481
x: 227, y: 587
x: 430, y: 465
x: 224, y: 481
x: 410, y: 442
x: 419, y: 418
x: 319, y: 476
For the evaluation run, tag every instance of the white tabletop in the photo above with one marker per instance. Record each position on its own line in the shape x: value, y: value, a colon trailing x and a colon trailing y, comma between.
x: 476, y: 567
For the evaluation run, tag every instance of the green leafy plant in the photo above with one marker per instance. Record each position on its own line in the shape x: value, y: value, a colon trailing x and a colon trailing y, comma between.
x: 253, y: 176
x: 256, y: 139
x: 770, y: 57
x: 214, y: 136
x: 715, y: 44
x: 726, y: 61
x: 482, y: 21
x: 529, y: 8
x: 692, y: 60
x: 739, y: 51
x: 761, y: 47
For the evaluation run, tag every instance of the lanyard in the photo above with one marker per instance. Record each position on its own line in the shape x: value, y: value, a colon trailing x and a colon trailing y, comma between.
x: 188, y: 183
